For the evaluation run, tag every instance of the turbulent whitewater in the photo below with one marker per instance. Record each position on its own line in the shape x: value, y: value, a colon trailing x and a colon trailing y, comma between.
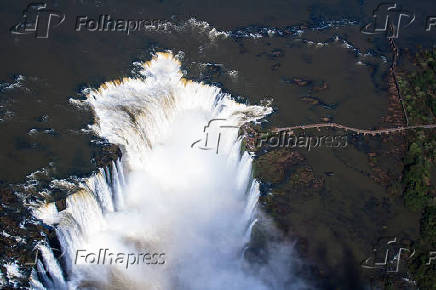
x: 182, y: 188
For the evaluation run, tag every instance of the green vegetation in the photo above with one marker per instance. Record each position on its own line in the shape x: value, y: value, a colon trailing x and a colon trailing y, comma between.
x: 418, y: 164
x: 419, y: 91
x: 425, y: 275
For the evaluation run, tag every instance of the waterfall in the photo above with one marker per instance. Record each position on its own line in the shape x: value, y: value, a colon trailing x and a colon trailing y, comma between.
x: 183, y: 189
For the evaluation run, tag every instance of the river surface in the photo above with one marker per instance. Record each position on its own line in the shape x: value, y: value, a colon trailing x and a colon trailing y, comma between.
x: 249, y: 49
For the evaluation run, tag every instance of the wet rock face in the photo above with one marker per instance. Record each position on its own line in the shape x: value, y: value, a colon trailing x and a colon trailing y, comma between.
x: 61, y: 204
x: 277, y: 53
x: 19, y: 236
x: 20, y: 232
x: 301, y: 82
x: 104, y: 154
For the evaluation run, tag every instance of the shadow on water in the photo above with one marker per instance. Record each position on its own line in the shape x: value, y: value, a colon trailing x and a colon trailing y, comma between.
x: 39, y: 127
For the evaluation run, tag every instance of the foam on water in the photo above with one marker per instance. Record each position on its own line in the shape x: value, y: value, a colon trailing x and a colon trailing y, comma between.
x: 167, y: 195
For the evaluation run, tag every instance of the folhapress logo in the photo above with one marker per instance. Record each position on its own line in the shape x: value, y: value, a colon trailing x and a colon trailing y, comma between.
x: 38, y: 20
x: 388, y: 19
x: 211, y: 129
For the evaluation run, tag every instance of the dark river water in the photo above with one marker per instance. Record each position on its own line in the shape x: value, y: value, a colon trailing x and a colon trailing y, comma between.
x: 41, y: 129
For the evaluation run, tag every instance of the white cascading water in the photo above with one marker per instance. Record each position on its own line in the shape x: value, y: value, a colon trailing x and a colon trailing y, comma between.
x: 167, y: 195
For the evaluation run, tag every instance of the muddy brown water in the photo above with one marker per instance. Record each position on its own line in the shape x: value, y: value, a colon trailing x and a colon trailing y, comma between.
x: 341, y: 224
